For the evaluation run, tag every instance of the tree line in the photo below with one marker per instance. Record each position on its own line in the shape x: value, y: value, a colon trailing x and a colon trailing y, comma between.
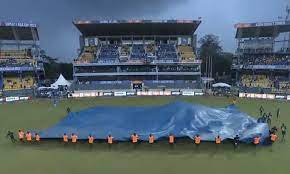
x: 211, y: 52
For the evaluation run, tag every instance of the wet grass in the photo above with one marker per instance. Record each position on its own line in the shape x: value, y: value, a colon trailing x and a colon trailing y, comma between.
x: 52, y: 157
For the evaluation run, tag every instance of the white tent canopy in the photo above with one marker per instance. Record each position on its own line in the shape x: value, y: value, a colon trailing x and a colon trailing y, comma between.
x: 222, y: 85
x: 61, y: 81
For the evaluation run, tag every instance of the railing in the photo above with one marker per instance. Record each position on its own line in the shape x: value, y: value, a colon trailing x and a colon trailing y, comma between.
x: 136, y: 61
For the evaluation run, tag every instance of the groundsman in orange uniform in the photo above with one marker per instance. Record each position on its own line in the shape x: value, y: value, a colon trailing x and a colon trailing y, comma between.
x: 21, y: 135
x: 134, y: 138
x: 257, y: 140
x: 74, y: 138
x: 171, y: 139
x: 91, y: 139
x: 273, y: 137
x: 37, y: 137
x: 65, y: 138
x: 218, y: 140
x: 197, y: 140
x: 28, y: 136
x: 151, y: 139
x: 110, y: 139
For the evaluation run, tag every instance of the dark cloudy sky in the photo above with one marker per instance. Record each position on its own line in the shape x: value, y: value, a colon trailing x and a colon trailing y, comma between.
x: 60, y: 38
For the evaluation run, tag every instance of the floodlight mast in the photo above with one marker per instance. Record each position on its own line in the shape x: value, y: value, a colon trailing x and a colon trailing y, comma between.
x: 287, y: 20
x: 288, y: 13
x: 286, y: 41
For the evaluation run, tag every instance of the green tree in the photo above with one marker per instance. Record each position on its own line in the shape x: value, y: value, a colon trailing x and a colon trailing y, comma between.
x: 224, y: 63
x: 53, y: 68
x: 210, y: 48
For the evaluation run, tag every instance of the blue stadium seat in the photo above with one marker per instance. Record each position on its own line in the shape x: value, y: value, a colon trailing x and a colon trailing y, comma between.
x: 138, y: 52
x: 109, y: 53
x: 167, y: 52
x: 270, y: 60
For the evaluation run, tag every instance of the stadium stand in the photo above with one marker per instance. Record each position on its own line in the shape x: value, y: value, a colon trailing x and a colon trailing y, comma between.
x: 128, y: 53
x: 112, y: 52
x: 284, y: 85
x: 14, y: 83
x: 262, y: 54
x: 266, y: 60
x: 167, y: 52
x: 281, y: 84
x: 16, y: 54
x: 108, y: 53
x: 28, y: 82
x: 186, y: 53
x: 16, y: 63
x: 262, y: 81
x: 267, y: 84
x: 88, y: 55
x: 138, y: 52
x: 125, y: 50
x: 16, y: 58
x: 21, y: 67
x: 150, y: 50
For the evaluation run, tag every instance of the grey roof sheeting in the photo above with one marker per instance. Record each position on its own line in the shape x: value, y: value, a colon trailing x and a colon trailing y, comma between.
x: 251, y: 30
x: 22, y: 33
x: 137, y: 27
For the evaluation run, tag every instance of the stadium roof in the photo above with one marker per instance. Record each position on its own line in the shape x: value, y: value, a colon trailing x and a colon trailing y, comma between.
x: 137, y: 27
x: 269, y: 29
x: 18, y: 31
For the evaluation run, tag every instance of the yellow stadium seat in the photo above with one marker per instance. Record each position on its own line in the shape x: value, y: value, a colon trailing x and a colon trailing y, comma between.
x: 150, y: 49
x: 186, y: 53
x: 125, y: 50
x: 256, y: 81
x: 15, y: 83
x: 87, y: 57
x: 15, y: 54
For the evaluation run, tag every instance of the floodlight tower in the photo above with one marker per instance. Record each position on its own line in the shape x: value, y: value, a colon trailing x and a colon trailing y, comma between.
x: 288, y: 13
x: 287, y: 21
x: 286, y: 41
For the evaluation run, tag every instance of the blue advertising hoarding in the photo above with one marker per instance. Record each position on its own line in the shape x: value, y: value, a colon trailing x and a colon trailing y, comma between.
x: 12, y: 69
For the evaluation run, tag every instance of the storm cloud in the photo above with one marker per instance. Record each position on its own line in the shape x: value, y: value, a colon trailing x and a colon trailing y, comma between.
x: 59, y: 38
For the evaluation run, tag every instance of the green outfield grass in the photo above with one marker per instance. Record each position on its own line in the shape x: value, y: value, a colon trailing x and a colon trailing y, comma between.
x: 54, y: 158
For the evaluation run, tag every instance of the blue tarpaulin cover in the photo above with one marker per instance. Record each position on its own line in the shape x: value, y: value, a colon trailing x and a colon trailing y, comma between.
x: 179, y: 118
